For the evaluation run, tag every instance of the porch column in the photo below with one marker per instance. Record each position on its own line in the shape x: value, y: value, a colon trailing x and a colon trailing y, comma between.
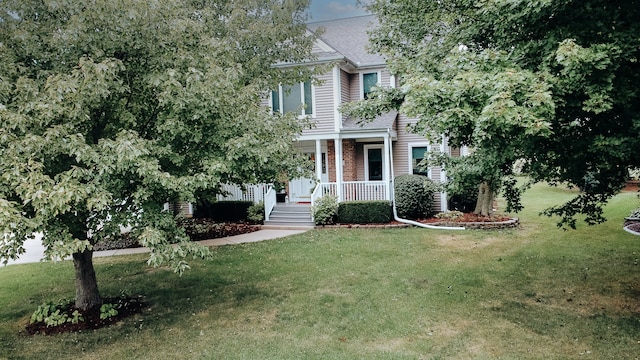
x: 444, y: 205
x: 387, y: 165
x: 338, y: 147
x: 318, y: 161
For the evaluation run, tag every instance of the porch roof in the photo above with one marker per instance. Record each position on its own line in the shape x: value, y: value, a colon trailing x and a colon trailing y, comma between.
x: 382, y: 122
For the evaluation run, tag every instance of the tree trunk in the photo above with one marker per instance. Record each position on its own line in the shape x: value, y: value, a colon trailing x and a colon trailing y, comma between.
x: 87, y: 294
x: 484, y: 205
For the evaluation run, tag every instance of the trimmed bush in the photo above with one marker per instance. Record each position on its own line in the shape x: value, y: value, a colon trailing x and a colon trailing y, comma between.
x: 325, y: 209
x: 364, y: 212
x: 232, y: 211
x: 255, y: 213
x: 414, y: 196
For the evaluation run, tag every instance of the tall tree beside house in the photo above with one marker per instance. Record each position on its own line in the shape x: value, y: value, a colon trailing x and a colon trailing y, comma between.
x: 553, y: 84
x: 110, y: 109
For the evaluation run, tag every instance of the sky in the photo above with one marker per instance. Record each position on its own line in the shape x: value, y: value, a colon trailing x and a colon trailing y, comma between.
x: 334, y: 9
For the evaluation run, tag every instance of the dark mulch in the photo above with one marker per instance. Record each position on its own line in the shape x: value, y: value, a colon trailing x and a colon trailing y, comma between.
x: 634, y: 226
x: 204, y: 229
x: 469, y: 218
x: 126, y: 306
x: 196, y: 229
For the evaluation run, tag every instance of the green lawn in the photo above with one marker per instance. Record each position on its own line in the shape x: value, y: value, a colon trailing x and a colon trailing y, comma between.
x: 538, y: 292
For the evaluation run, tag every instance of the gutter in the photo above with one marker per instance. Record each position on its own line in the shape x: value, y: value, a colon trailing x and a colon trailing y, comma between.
x: 393, y: 202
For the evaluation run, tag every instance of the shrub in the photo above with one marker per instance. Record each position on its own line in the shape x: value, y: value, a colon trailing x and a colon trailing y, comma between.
x: 635, y: 213
x: 414, y: 196
x: 325, y: 210
x: 232, y: 211
x: 364, y: 212
x: 255, y: 213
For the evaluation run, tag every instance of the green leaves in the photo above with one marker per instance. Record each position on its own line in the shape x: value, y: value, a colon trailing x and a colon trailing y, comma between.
x: 542, y: 82
x: 110, y: 109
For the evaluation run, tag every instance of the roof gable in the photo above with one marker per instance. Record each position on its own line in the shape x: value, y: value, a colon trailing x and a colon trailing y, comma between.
x: 347, y: 38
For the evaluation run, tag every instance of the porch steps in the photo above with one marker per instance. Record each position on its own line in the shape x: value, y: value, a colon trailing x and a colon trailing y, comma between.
x: 289, y: 216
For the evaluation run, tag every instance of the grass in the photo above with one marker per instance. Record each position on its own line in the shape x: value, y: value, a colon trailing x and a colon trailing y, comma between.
x: 537, y: 292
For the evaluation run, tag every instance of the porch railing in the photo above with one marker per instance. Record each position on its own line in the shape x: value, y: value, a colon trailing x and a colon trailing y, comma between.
x: 353, y: 190
x: 253, y: 193
x: 269, y: 202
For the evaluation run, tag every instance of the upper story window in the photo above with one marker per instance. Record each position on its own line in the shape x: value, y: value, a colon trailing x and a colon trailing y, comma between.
x: 369, y: 81
x: 296, y: 98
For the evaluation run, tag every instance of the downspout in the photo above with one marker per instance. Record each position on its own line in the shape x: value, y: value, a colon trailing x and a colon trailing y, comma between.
x: 393, y: 202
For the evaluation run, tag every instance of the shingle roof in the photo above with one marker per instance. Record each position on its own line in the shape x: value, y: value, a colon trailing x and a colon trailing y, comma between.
x: 349, y: 37
x: 384, y: 121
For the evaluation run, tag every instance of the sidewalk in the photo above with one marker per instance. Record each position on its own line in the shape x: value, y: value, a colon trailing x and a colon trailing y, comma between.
x: 35, y: 250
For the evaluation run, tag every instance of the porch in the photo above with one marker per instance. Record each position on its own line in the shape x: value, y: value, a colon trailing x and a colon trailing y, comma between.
x: 343, y: 191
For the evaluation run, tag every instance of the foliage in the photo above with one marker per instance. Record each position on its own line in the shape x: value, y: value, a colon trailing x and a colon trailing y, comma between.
x: 204, y: 229
x: 223, y: 210
x: 552, y: 84
x: 635, y: 213
x: 56, y: 314
x: 325, y: 210
x: 364, y: 212
x: 255, y: 213
x: 110, y: 109
x: 450, y: 215
x: 414, y: 196
x: 107, y: 311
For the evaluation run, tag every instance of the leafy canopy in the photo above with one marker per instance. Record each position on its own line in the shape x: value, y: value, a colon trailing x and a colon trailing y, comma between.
x: 109, y: 109
x: 549, y: 84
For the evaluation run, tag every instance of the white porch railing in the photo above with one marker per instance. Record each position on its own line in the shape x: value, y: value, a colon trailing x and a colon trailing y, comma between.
x: 269, y: 202
x: 254, y: 193
x: 353, y: 191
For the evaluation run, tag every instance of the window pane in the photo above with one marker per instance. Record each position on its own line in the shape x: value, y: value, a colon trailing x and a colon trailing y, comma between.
x: 417, y: 154
x: 308, y: 101
x: 375, y: 164
x: 275, y: 101
x: 368, y: 82
x: 292, y: 98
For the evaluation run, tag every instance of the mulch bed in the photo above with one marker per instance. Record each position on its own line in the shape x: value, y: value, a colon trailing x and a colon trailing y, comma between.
x: 633, y: 226
x: 196, y: 229
x: 126, y: 306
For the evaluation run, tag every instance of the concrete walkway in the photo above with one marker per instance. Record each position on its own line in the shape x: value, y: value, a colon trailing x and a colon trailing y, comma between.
x: 35, y: 250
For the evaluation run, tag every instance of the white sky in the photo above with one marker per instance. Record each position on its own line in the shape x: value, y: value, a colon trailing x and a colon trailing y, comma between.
x: 334, y: 9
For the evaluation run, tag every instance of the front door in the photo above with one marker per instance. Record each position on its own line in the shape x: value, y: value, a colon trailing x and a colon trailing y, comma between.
x: 300, y: 189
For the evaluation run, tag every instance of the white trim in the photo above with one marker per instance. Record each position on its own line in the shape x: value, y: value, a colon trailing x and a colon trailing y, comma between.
x: 410, y: 147
x: 366, y: 160
x: 392, y: 81
x: 338, y: 159
x: 281, y: 99
x: 337, y: 98
x: 361, y: 78
x: 318, y: 161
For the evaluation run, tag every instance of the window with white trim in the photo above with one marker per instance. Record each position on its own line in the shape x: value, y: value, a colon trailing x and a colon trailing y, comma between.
x: 296, y: 98
x: 368, y: 82
x: 417, y: 154
x: 374, y: 160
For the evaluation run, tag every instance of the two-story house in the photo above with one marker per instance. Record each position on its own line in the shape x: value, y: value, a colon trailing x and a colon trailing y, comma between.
x: 352, y: 161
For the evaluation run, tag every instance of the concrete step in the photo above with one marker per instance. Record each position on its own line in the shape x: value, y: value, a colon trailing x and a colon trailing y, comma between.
x: 286, y: 215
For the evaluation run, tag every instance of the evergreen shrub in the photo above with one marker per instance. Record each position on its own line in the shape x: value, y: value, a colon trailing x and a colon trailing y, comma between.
x: 364, y: 212
x: 414, y: 196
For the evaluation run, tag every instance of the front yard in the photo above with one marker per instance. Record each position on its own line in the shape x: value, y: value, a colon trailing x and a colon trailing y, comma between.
x: 536, y: 292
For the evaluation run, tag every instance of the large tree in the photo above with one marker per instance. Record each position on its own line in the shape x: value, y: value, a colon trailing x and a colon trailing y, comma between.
x: 109, y: 109
x: 552, y: 85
